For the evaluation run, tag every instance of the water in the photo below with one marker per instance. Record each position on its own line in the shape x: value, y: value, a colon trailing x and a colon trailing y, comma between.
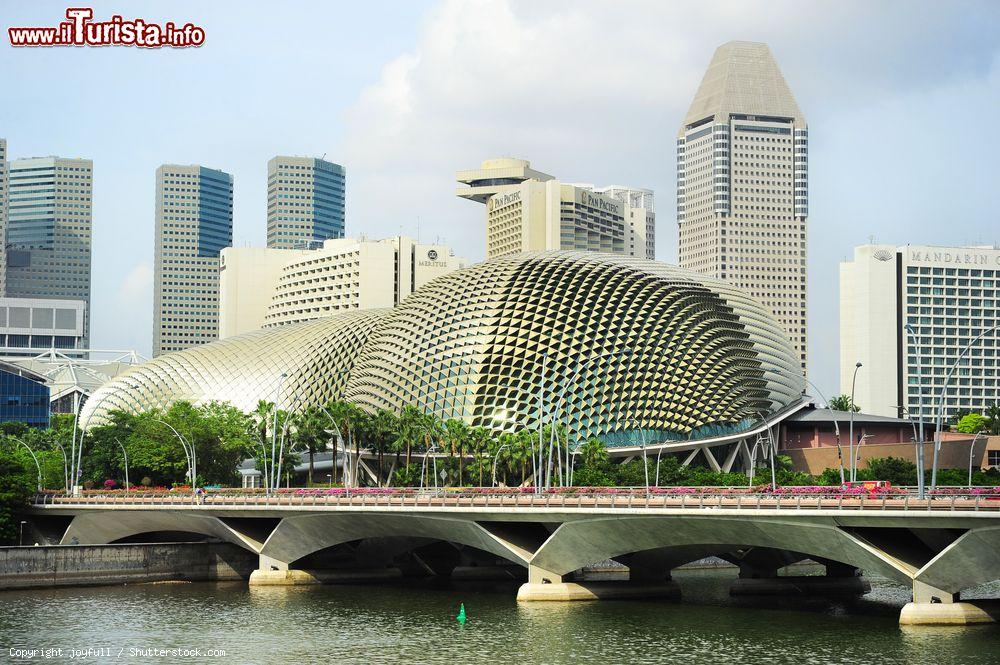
x: 416, y: 624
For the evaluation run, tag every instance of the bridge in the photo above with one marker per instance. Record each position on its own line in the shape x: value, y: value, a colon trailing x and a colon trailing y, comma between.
x: 938, y: 546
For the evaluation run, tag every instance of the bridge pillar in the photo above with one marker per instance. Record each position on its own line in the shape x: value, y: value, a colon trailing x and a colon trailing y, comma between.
x: 544, y: 585
x: 272, y: 572
x: 935, y: 607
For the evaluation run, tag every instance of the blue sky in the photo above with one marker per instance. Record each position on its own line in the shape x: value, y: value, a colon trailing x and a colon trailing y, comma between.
x: 902, y: 100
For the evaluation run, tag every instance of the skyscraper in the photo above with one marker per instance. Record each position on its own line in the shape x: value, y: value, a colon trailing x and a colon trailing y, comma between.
x: 742, y: 183
x: 48, y: 242
x: 305, y: 202
x: 194, y: 221
x: 527, y: 210
x: 3, y: 217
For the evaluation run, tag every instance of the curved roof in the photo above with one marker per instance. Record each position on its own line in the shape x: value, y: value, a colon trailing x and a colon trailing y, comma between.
x: 315, y: 356
x: 627, y: 349
x: 613, y: 346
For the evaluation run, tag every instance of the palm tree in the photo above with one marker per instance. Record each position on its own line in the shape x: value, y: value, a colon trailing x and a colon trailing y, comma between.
x: 480, y: 439
x: 409, y: 429
x: 310, y: 432
x: 524, y: 443
x: 594, y: 453
x: 456, y: 433
x: 384, y: 429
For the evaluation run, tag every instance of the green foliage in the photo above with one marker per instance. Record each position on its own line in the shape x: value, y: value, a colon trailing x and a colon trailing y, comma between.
x: 843, y: 403
x: 17, y: 484
x: 896, y: 470
x: 971, y: 423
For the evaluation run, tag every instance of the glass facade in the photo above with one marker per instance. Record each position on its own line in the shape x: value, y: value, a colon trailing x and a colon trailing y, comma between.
x: 23, y: 399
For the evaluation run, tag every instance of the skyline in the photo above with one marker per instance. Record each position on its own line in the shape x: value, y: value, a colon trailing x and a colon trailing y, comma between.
x: 407, y: 112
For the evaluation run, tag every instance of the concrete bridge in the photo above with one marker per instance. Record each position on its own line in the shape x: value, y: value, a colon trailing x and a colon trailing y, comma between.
x: 937, y: 546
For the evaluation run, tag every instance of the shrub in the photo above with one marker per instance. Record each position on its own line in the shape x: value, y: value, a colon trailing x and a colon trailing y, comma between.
x: 146, y: 481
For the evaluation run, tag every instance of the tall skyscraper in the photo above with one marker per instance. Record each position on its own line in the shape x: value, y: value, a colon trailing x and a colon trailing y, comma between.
x: 49, y: 210
x: 3, y: 217
x: 742, y: 183
x: 527, y: 210
x: 194, y: 221
x: 305, y: 202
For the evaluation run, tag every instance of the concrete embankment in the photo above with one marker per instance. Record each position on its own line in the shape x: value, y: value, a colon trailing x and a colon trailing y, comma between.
x: 86, y: 565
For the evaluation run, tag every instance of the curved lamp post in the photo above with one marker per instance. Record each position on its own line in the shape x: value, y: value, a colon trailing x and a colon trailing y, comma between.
x: 920, y: 389
x: 423, y: 467
x: 62, y: 449
x: 972, y: 448
x: 850, y: 407
x: 495, y: 458
x: 125, y: 455
x: 836, y: 429
x: 76, y: 465
x: 940, y: 404
x: 34, y: 457
x: 188, y: 452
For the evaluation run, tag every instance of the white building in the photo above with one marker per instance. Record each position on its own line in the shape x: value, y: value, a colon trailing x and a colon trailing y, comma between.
x: 949, y: 295
x: 527, y: 210
x: 742, y: 183
x: 268, y: 287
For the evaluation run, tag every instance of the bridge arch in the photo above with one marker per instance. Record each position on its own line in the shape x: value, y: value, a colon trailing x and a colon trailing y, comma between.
x: 578, y: 543
x: 109, y: 526
x: 299, y: 536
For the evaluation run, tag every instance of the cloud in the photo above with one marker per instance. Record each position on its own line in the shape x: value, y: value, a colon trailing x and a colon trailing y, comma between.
x: 595, y: 92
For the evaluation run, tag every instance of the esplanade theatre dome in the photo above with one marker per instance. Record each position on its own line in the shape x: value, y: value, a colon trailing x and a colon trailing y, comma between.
x: 622, y: 348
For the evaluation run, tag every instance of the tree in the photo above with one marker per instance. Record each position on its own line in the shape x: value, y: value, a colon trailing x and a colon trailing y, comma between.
x: 843, y: 403
x: 896, y: 470
x: 972, y: 423
x: 594, y: 454
x: 456, y: 435
x: 993, y: 414
x: 480, y: 440
x: 17, y: 484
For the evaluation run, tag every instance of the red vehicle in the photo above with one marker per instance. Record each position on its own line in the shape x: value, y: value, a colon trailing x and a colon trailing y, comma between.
x: 869, y: 485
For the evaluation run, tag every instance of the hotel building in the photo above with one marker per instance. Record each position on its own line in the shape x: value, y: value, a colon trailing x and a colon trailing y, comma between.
x: 527, y: 210
x: 949, y: 296
x: 263, y: 288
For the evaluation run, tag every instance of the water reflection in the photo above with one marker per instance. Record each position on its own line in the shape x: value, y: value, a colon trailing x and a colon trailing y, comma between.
x: 416, y: 624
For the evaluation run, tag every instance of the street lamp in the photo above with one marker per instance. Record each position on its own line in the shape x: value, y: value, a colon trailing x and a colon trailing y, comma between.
x: 920, y: 388
x: 20, y: 537
x: 330, y: 475
x: 940, y: 405
x: 188, y: 453
x: 971, y: 449
x: 62, y: 449
x: 495, y: 458
x: 850, y: 407
x: 864, y: 437
x: 76, y: 463
x: 274, y: 426
x: 34, y: 457
x: 836, y: 429
x: 125, y: 455
x: 423, y: 467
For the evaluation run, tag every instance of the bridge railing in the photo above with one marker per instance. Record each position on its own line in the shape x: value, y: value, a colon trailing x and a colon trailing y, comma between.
x: 458, y: 500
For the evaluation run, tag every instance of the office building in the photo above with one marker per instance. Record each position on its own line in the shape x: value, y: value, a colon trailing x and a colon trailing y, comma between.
x: 742, y: 183
x: 194, y: 221
x: 305, y: 202
x: 527, y: 210
x: 3, y: 217
x: 24, y: 397
x: 30, y: 326
x: 270, y: 287
x: 49, y: 231
x: 949, y: 296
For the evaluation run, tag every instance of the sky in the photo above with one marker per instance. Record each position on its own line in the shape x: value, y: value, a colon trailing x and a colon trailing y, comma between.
x: 901, y: 98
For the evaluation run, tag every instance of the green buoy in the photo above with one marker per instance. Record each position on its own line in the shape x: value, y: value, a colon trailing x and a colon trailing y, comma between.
x: 461, y: 614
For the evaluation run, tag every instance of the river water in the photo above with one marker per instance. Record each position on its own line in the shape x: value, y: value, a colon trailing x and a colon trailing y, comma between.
x: 416, y: 624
